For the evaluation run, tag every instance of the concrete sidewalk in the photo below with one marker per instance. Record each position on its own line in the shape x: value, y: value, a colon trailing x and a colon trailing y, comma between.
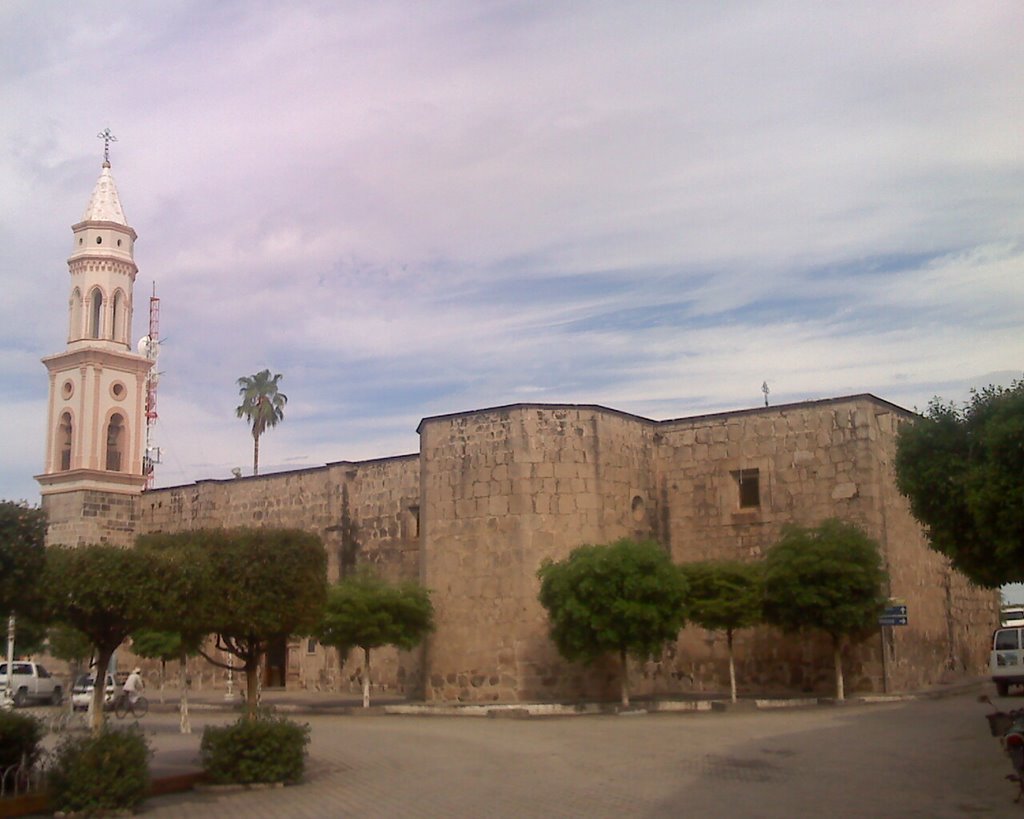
x: 292, y: 701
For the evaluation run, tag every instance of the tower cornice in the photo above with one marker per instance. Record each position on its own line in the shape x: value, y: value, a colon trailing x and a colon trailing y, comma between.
x: 103, y: 223
x: 97, y: 356
x: 74, y: 480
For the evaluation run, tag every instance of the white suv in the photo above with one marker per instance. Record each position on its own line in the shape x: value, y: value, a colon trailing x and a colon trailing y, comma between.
x: 81, y: 694
x: 1006, y: 663
x: 30, y: 682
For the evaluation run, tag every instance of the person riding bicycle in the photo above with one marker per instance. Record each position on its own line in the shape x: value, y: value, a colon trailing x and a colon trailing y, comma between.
x: 133, y: 685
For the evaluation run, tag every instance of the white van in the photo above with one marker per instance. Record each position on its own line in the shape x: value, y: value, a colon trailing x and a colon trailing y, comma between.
x: 1006, y: 663
x: 1011, y: 616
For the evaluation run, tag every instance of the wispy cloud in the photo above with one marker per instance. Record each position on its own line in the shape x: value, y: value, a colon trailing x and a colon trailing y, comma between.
x: 410, y: 209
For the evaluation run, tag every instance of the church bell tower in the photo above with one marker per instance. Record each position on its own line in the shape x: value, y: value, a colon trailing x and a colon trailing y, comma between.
x: 96, y: 427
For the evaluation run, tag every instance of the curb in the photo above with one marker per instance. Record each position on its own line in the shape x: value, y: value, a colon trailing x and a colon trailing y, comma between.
x: 520, y: 710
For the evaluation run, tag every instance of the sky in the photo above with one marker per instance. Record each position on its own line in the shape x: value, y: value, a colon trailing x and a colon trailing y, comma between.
x: 409, y: 209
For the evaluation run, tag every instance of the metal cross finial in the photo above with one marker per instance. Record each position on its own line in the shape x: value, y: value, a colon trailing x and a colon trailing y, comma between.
x: 107, y: 138
x: 765, y: 390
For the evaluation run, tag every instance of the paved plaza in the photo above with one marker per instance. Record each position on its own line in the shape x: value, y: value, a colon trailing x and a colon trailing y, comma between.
x: 925, y: 758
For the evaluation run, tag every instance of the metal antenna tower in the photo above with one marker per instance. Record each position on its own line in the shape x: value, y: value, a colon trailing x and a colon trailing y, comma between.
x: 150, y: 347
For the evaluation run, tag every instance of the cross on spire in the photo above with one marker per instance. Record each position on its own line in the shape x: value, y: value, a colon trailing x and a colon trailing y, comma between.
x: 107, y: 138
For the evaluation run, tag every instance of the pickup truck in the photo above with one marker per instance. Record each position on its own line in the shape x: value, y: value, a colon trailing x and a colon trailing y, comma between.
x: 30, y: 682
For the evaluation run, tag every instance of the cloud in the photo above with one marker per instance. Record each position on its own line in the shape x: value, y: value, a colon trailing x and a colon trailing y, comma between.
x: 412, y: 209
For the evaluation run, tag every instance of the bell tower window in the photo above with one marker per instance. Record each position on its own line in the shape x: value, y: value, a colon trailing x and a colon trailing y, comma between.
x: 115, y: 442
x: 95, y: 313
x: 117, y: 331
x: 75, y: 310
x: 64, y: 435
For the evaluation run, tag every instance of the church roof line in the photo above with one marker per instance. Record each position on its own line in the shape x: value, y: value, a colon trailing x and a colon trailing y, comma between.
x: 819, y: 402
x: 640, y: 418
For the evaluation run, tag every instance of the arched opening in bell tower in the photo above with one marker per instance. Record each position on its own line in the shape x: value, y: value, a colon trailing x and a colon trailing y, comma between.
x: 65, y: 437
x: 115, y: 442
x: 75, y: 313
x: 118, y: 330
x: 95, y: 313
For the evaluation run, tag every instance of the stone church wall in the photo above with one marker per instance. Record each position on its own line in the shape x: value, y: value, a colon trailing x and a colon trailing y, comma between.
x: 817, y: 460
x: 505, y: 489
x: 381, y: 499
x: 493, y: 493
x: 510, y: 487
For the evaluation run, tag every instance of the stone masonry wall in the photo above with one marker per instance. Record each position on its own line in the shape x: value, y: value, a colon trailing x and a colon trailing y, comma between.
x: 503, y: 490
x: 816, y: 460
x: 495, y: 492
x: 90, y: 516
x: 380, y: 497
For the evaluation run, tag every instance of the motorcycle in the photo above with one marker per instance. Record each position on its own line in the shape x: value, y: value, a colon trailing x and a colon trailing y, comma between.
x: 1009, y: 727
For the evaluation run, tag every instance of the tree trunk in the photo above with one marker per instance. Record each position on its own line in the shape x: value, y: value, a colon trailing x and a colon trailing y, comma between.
x: 252, y: 680
x: 366, y: 678
x: 838, y: 657
x: 255, y: 455
x: 623, y: 663
x: 732, y: 666
x: 163, y: 678
x: 99, y: 690
x: 185, y: 724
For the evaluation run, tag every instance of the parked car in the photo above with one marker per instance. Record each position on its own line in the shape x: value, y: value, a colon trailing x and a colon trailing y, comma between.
x: 81, y: 693
x: 1006, y: 662
x: 30, y: 682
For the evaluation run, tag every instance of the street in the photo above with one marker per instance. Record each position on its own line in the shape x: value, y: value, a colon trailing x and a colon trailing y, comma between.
x: 928, y: 758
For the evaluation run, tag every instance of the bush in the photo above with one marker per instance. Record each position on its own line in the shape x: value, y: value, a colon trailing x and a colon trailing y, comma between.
x: 105, y: 772
x: 264, y: 749
x: 19, y: 738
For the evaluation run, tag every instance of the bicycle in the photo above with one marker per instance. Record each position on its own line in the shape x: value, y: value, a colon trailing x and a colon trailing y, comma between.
x: 124, y: 705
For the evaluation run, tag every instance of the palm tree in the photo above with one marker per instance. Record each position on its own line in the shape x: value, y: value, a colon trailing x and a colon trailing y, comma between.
x: 262, y: 406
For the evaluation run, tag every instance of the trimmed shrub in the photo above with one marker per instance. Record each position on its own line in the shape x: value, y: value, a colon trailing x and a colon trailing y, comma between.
x: 264, y: 749
x: 19, y: 739
x: 96, y: 773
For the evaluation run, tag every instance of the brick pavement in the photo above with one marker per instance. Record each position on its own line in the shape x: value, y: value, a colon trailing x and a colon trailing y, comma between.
x: 923, y: 758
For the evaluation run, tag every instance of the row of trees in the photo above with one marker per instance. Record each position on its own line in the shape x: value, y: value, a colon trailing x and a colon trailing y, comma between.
x: 227, y: 594
x: 961, y: 467
x: 628, y: 598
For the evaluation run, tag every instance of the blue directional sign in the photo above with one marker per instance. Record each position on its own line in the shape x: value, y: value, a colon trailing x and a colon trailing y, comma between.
x: 895, y: 615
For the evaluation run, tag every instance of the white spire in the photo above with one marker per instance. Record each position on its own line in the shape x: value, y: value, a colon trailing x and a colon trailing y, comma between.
x: 105, y: 204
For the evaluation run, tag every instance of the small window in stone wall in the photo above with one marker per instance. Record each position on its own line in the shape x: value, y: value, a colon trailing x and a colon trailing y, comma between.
x: 311, y: 645
x: 638, y: 508
x: 748, y: 481
x: 413, y: 528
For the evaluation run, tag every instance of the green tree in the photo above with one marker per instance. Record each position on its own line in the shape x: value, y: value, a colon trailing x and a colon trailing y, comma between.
x: 104, y: 592
x: 29, y: 635
x: 962, y: 469
x: 828, y: 578
x: 163, y: 646
x: 270, y: 583
x: 262, y: 407
x: 69, y: 644
x: 182, y: 617
x: 725, y: 596
x: 22, y: 556
x: 366, y: 611
x: 623, y: 597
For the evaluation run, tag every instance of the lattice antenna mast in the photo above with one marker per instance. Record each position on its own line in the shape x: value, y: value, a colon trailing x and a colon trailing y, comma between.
x: 150, y: 347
